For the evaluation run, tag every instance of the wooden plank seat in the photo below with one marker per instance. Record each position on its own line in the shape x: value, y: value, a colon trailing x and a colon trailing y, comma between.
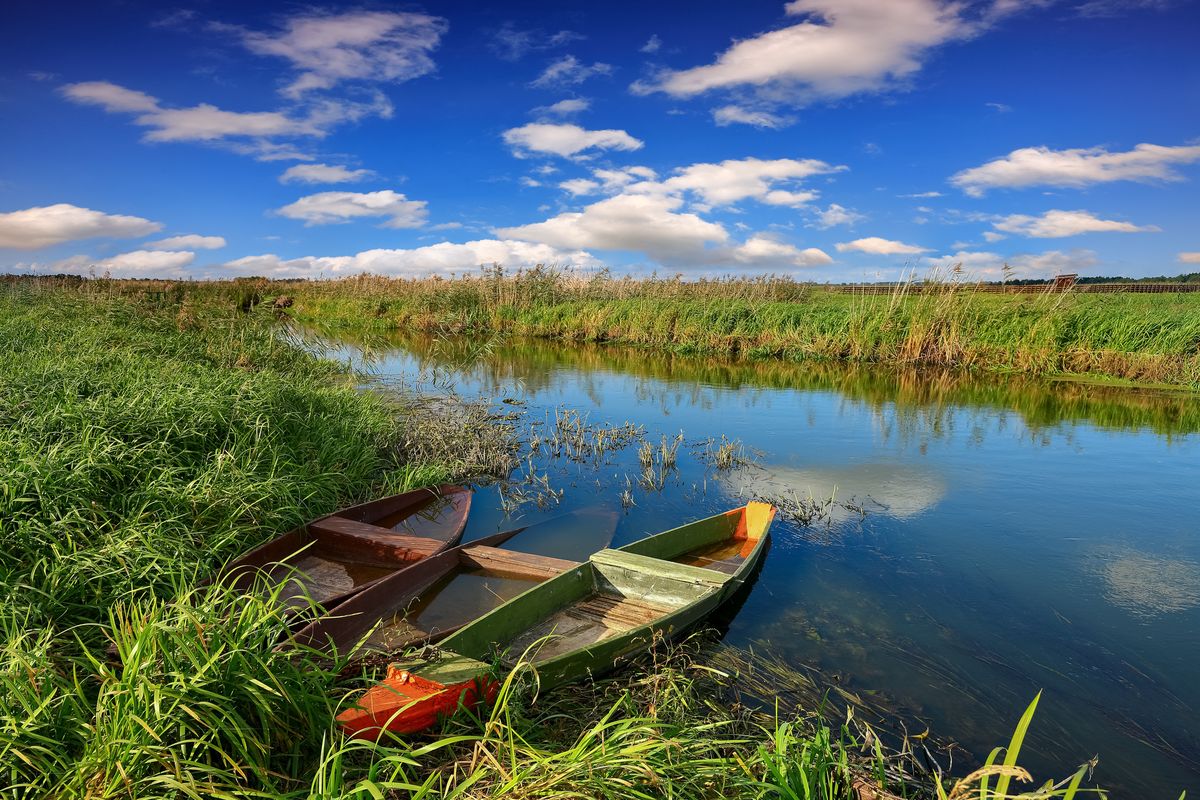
x: 511, y: 562
x: 360, y: 541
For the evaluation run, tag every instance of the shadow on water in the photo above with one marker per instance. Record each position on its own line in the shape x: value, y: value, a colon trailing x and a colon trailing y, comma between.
x: 993, y: 535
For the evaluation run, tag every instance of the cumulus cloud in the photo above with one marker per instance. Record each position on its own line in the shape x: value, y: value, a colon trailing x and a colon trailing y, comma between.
x: 190, y: 241
x: 763, y: 251
x: 136, y: 264
x: 738, y: 179
x: 990, y: 266
x: 43, y: 226
x: 655, y: 224
x: 1189, y: 258
x: 569, y: 71
x: 737, y: 115
x: 880, y: 247
x: 328, y: 49
x: 1077, y: 168
x: 249, y: 132
x: 840, y: 48
x: 580, y: 186
x: 437, y: 259
x: 324, y: 173
x: 566, y: 140
x: 325, y: 208
x: 837, y: 215
x: 1056, y: 224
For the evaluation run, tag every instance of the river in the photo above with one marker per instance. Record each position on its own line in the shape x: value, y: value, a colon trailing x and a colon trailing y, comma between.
x: 993, y: 536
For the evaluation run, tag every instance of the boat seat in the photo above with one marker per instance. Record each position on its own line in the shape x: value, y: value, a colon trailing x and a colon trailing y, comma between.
x: 670, y: 570
x: 361, y: 538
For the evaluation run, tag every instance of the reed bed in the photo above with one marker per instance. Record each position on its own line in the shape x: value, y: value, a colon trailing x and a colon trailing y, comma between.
x: 147, y: 438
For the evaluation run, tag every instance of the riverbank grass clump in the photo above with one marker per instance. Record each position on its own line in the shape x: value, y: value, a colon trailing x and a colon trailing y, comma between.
x: 1145, y: 338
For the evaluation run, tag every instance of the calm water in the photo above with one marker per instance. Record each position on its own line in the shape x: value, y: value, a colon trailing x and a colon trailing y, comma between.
x: 1017, y: 536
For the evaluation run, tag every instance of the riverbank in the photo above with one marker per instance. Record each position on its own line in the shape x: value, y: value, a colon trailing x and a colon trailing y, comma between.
x: 146, y: 439
x: 1146, y: 339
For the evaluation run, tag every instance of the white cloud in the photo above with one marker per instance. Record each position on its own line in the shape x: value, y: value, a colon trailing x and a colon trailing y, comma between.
x: 580, y: 186
x: 329, y: 49
x: 325, y: 208
x: 110, y: 97
x: 837, y: 215
x: 43, y: 226
x: 993, y: 236
x: 566, y: 140
x: 323, y: 173
x: 652, y: 45
x: 137, y: 264
x: 922, y: 194
x: 530, y: 182
x: 248, y: 132
x: 1189, y: 258
x: 738, y: 179
x: 437, y: 259
x: 654, y: 224
x: 761, y: 251
x: 563, y: 108
x: 733, y: 114
x: 647, y: 223
x: 881, y: 247
x: 1041, y: 166
x: 569, y: 71
x: 1056, y: 224
x: 842, y: 47
x: 190, y: 241
x: 999, y: 108
x: 990, y: 266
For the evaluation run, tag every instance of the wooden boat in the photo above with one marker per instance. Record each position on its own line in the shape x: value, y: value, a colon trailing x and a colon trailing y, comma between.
x: 334, y: 557
x: 435, y: 597
x: 577, y: 624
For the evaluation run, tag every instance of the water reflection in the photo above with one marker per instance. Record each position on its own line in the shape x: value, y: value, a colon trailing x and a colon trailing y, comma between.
x: 893, y: 489
x: 1146, y: 585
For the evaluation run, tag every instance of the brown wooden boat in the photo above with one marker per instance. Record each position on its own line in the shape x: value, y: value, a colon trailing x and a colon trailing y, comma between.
x: 337, y: 556
x: 435, y: 597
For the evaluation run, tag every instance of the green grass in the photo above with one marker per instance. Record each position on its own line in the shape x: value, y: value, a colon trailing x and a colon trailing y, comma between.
x: 146, y: 441
x: 1147, y: 338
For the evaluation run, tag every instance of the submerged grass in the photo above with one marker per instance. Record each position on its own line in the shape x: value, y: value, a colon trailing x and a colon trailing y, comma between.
x: 144, y: 442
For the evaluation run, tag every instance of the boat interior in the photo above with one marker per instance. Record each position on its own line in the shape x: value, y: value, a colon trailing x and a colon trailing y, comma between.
x: 337, y: 555
x: 624, y: 592
x: 483, y: 578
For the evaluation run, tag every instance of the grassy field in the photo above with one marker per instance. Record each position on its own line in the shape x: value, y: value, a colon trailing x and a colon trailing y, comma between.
x: 1150, y: 338
x: 144, y: 440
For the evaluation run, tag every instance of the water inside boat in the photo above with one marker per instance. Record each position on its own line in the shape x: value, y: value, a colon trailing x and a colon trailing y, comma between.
x: 598, y: 616
x: 322, y: 577
x: 453, y: 601
x: 725, y: 556
x: 430, y: 521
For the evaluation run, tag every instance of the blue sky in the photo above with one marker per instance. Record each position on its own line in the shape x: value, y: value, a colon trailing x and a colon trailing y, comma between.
x: 836, y: 140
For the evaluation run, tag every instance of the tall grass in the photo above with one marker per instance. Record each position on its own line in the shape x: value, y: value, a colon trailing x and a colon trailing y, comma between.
x: 1146, y: 338
x: 145, y: 440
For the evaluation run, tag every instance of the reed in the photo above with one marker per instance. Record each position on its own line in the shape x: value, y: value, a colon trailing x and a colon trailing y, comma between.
x: 1150, y: 338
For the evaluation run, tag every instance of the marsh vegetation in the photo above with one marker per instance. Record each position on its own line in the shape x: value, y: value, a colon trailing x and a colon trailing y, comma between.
x: 146, y: 439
